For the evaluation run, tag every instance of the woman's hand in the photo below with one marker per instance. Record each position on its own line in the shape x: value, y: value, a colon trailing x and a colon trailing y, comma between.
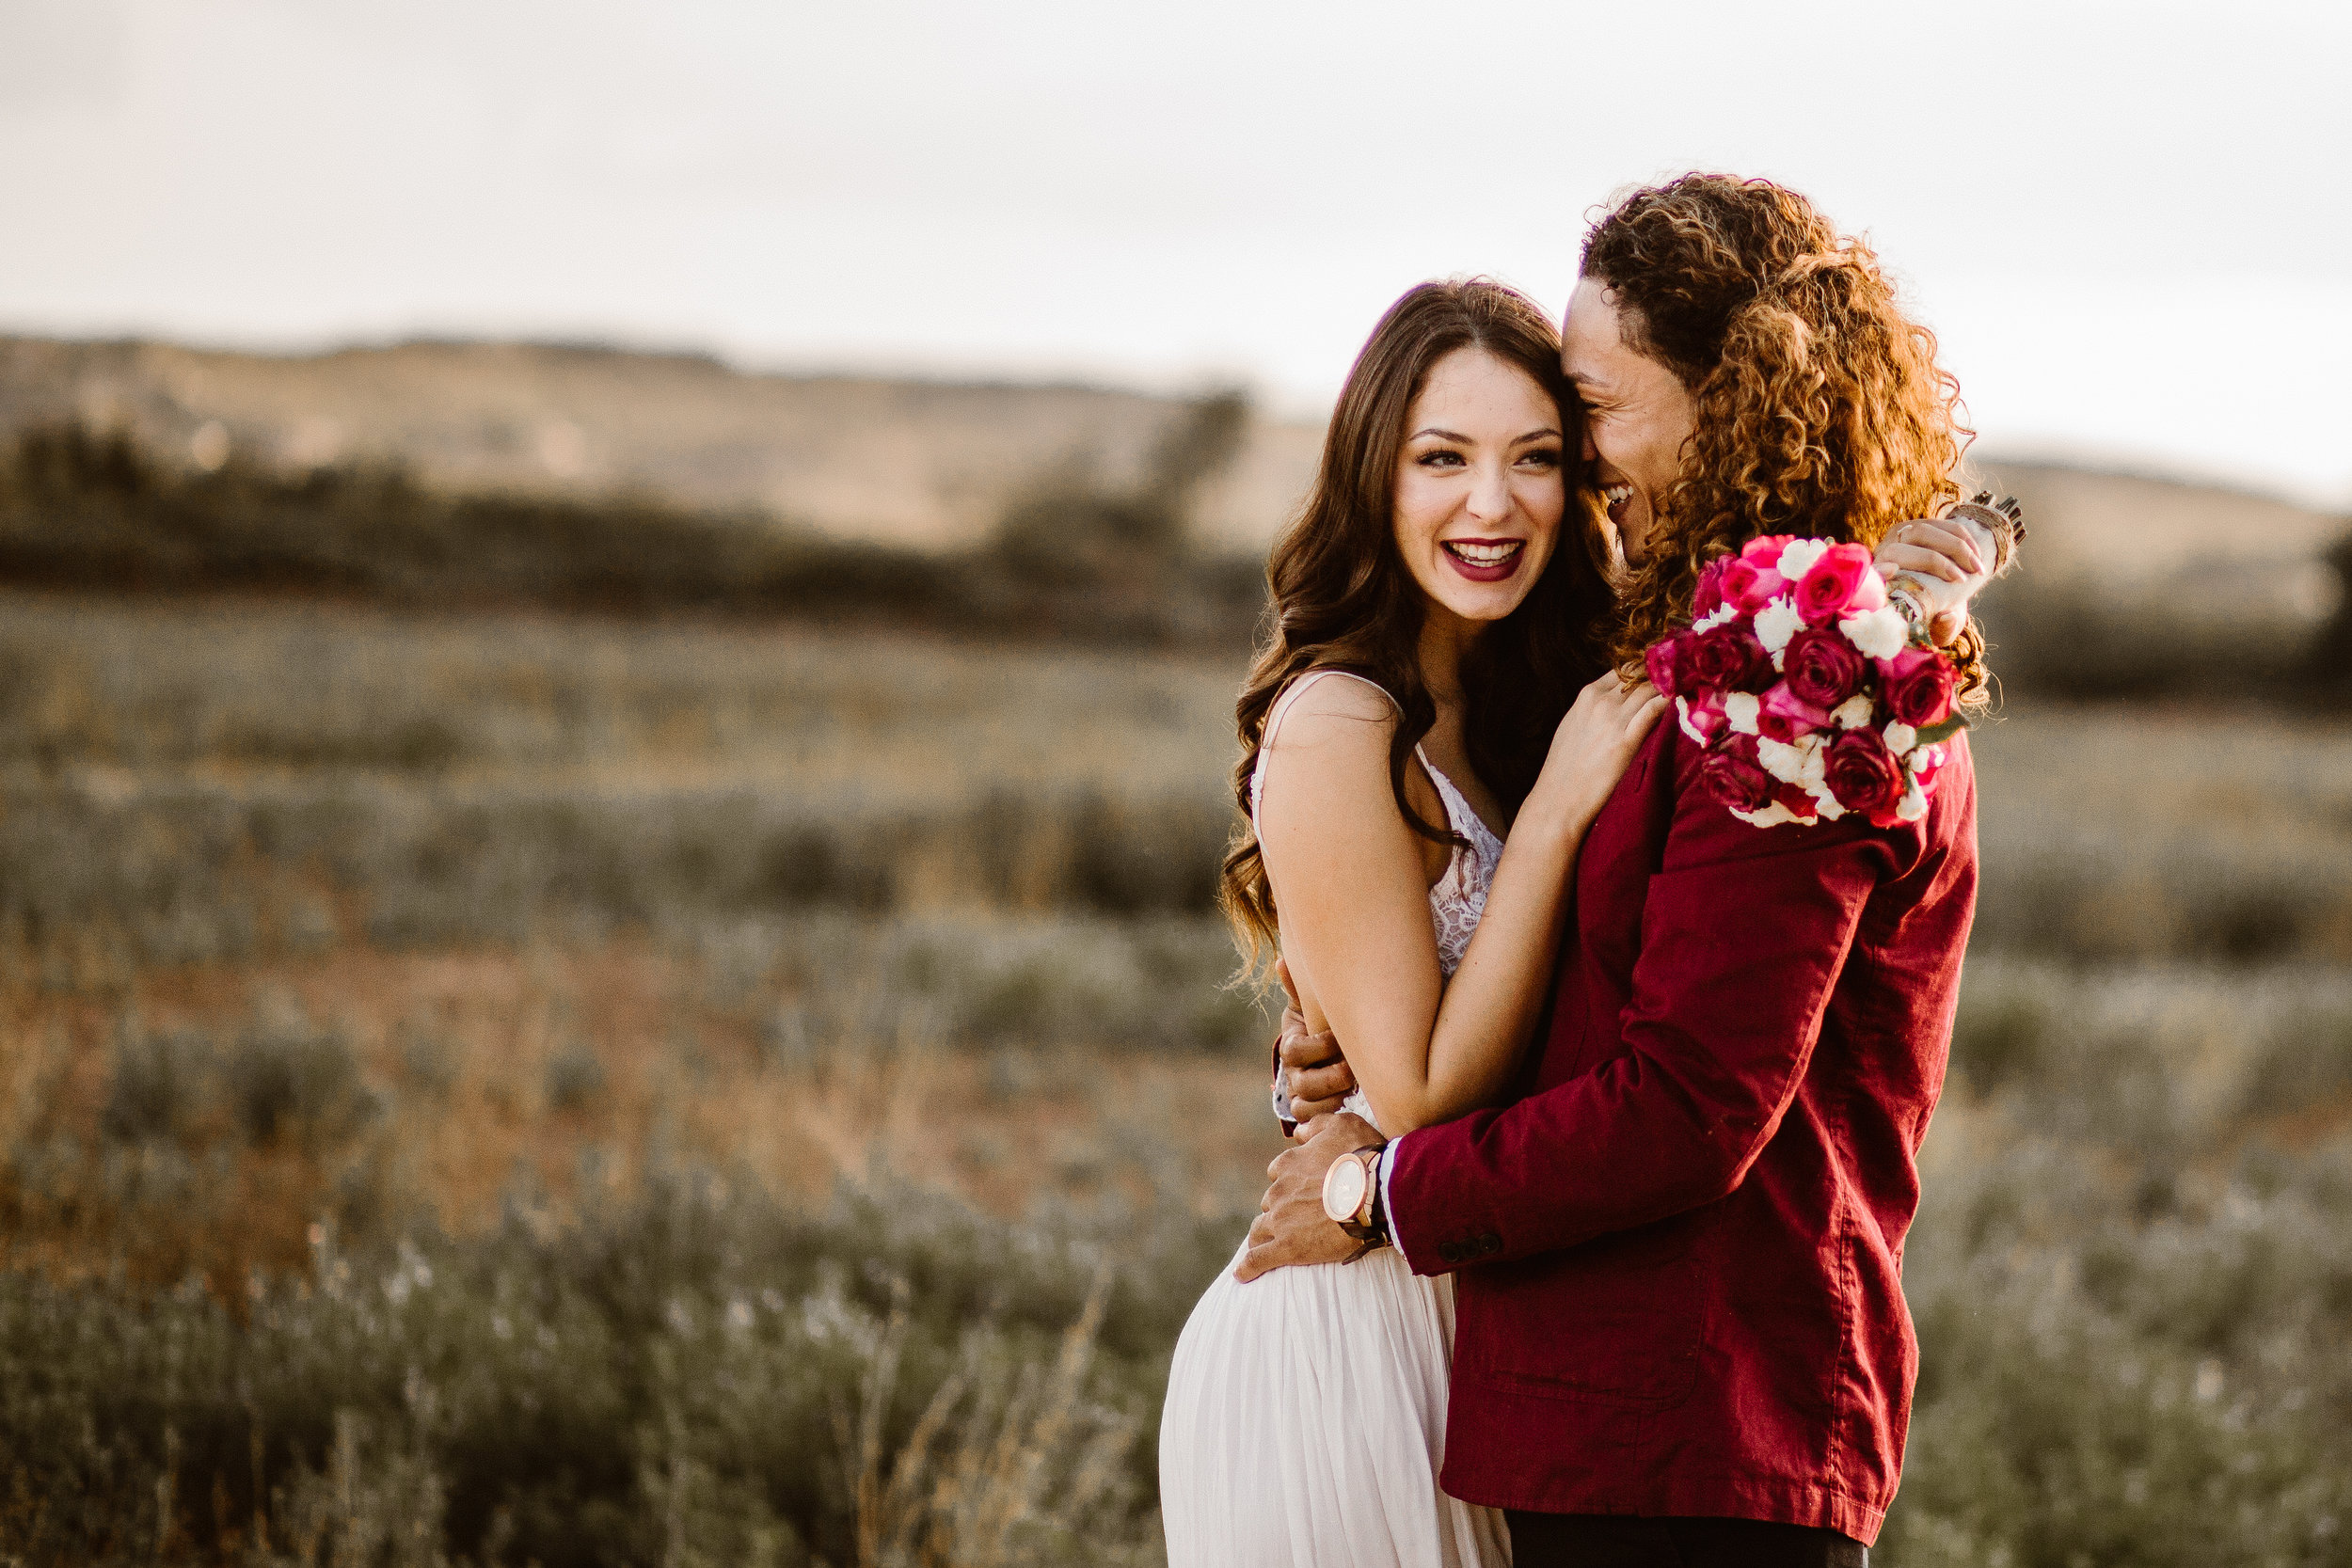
x: 1590, y: 750
x: 1938, y: 549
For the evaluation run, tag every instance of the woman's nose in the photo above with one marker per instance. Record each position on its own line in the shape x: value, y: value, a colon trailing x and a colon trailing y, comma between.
x: 1591, y: 452
x: 1491, y: 492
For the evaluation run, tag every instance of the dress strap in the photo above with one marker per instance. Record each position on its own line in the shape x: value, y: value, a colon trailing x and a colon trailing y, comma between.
x: 1460, y: 814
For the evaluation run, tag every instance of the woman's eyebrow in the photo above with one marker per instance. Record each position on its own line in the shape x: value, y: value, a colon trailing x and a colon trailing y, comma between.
x: 1440, y: 434
x: 1537, y: 434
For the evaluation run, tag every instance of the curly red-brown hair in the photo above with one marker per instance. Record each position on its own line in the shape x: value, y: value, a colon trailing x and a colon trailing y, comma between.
x: 1821, y: 408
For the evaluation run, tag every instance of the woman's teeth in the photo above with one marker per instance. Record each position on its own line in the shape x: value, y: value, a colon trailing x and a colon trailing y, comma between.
x: 1485, y: 554
x: 1616, y: 496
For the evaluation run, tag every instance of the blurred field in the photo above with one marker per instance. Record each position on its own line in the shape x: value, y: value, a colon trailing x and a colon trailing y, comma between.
x: 523, y: 1088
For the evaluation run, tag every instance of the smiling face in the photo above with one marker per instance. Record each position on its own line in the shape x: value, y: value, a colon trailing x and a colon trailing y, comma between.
x: 1480, y: 485
x: 1637, y: 415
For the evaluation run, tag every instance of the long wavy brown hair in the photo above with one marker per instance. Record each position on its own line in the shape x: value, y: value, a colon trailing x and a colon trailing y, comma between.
x: 1821, y: 408
x: 1344, y: 598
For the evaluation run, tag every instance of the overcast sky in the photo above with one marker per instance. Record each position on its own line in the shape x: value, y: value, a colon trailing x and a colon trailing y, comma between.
x: 2131, y: 223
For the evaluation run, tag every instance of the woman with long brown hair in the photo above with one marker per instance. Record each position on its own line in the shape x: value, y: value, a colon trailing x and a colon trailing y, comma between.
x: 1441, y: 605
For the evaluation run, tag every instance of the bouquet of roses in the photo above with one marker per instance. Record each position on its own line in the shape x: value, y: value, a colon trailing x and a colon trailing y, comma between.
x: 1808, y: 690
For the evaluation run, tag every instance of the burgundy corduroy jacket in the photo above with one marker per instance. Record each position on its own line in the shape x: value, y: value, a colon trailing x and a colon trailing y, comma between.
x: 1680, y: 1255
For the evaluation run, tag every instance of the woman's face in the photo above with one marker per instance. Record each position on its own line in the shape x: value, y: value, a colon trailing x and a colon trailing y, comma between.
x: 1480, y: 485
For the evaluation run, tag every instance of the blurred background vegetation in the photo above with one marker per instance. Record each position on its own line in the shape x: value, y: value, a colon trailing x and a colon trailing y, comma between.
x: 579, y: 1028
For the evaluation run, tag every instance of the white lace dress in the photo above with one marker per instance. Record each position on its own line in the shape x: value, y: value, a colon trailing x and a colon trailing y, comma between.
x: 1305, y: 1421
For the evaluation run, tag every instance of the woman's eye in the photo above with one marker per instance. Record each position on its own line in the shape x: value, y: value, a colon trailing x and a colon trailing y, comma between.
x: 1439, y: 460
x: 1546, y: 458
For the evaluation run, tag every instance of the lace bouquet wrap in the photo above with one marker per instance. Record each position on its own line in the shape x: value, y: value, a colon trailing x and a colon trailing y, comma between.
x: 1813, y: 695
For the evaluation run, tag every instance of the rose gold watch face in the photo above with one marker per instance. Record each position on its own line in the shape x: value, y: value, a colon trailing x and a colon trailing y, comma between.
x: 1344, y: 1190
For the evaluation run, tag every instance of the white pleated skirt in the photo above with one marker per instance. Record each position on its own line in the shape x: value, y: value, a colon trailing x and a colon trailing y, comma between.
x: 1305, y: 1425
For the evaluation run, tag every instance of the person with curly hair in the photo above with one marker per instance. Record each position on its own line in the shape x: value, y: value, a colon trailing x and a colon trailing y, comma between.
x: 1680, y: 1335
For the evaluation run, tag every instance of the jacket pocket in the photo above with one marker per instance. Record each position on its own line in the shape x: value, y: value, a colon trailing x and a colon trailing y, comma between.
x: 1618, y: 1321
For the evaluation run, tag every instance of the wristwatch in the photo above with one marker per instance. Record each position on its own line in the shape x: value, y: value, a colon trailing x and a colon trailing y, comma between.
x: 1351, y: 1194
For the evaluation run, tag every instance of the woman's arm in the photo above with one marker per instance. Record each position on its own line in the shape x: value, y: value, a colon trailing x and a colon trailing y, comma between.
x: 1940, y: 548
x: 1352, y: 884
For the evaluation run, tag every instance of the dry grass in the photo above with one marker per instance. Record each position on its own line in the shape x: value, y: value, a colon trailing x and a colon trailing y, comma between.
x: 518, y: 1088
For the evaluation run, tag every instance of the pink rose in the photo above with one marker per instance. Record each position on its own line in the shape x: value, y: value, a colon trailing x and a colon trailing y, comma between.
x: 1917, y: 686
x: 1751, y: 587
x: 1706, y: 715
x: 1864, y: 774
x: 1787, y: 717
x: 1729, y: 659
x: 1732, y: 774
x: 1764, y: 552
x: 1841, y: 584
x: 1822, y: 667
x: 1710, y: 596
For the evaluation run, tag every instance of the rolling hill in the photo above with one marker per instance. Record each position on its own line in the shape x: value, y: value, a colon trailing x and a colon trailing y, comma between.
x: 917, y: 462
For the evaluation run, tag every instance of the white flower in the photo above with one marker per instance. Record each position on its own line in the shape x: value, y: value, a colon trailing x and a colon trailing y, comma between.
x: 1772, y: 815
x: 1829, y: 806
x: 1682, y: 717
x: 1723, y: 614
x: 1777, y: 622
x: 1881, y: 634
x: 1741, y: 709
x: 1799, y: 764
x: 1853, y: 713
x: 1900, y: 738
x: 1798, y: 556
x: 1914, y: 804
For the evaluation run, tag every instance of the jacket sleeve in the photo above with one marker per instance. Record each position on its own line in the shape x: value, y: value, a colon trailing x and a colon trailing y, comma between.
x: 1743, y: 933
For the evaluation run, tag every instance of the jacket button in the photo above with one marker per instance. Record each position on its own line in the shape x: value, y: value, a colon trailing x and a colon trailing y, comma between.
x: 1490, y: 1242
x: 1450, y: 1252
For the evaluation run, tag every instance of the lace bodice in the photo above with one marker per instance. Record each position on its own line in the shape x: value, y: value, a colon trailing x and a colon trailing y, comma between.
x: 1457, y: 898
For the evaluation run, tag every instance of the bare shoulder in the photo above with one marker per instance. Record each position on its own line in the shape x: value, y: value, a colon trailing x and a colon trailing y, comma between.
x: 1327, y: 765
x: 1340, y: 715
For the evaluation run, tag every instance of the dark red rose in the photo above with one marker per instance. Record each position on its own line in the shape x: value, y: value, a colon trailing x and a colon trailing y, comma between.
x: 1668, y: 661
x: 1822, y: 668
x: 1732, y: 774
x: 1863, y: 773
x: 1710, y: 597
x: 1916, y: 687
x: 1729, y: 659
x: 1799, y: 800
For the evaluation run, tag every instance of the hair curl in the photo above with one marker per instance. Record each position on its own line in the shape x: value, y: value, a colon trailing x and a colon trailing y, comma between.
x: 1820, y: 409
x: 1344, y: 598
